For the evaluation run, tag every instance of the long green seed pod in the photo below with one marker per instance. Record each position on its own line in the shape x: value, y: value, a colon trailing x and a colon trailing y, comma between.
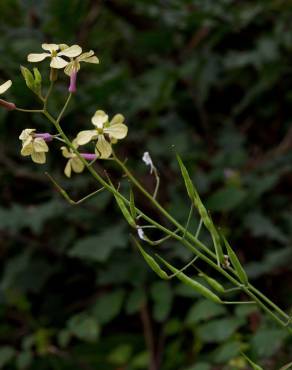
x: 207, y: 221
x: 123, y: 208
x: 212, y: 282
x: 192, y: 283
x: 188, y: 182
x: 151, y: 262
x: 236, y: 263
x: 195, y: 198
x: 125, y: 211
x: 132, y: 204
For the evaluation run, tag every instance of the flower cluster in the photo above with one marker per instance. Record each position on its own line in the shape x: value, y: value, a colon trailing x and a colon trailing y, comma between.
x: 105, y: 133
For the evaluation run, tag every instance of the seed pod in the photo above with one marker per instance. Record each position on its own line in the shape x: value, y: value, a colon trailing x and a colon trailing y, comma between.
x: 125, y: 211
x: 236, y: 263
x: 151, y: 262
x: 213, y: 283
x: 132, y: 204
x: 207, y: 221
x: 192, y: 283
x: 188, y: 182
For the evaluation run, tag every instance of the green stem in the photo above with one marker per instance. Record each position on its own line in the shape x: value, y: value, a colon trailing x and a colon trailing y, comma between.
x: 161, y: 209
x: 161, y: 227
x: 48, y: 94
x: 271, y: 303
x: 64, y: 108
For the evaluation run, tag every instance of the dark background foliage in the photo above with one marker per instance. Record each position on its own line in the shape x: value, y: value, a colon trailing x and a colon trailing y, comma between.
x: 214, y: 79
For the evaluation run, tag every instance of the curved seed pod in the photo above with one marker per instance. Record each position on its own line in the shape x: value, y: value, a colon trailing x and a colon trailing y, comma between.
x: 193, y: 194
x: 125, y: 211
x: 236, y: 263
x: 132, y: 204
x: 192, y: 283
x: 188, y: 182
x: 151, y: 262
x: 212, y: 282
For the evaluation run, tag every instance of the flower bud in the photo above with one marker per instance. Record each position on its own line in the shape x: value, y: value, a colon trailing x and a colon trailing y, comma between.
x: 7, y: 105
x: 73, y: 78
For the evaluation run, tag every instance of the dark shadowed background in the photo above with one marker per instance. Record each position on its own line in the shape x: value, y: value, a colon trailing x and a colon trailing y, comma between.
x: 213, y: 78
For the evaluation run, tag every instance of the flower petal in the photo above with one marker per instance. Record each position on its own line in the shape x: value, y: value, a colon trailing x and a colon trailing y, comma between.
x: 63, y: 46
x: 94, y: 59
x: 5, y: 86
x: 85, y: 137
x: 67, y: 169
x: 39, y: 145
x: 26, y: 150
x: 26, y: 133
x: 58, y: 63
x: 65, y: 152
x: 71, y: 52
x: 69, y: 69
x: 118, y: 131
x: 99, y: 118
x: 77, y: 165
x: 103, y: 147
x: 37, y: 57
x: 118, y: 118
x: 86, y: 55
x: 38, y: 157
x: 50, y: 47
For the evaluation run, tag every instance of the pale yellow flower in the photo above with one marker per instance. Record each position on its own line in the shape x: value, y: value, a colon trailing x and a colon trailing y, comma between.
x: 56, y: 52
x: 36, y: 147
x: 74, y: 163
x: 74, y: 64
x: 113, y: 130
x: 4, y: 87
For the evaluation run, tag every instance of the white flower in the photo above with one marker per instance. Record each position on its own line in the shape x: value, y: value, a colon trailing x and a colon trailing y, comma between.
x: 148, y: 161
x: 55, y: 52
x: 74, y: 65
x: 36, y: 147
x: 115, y: 129
x: 74, y: 163
x: 4, y: 87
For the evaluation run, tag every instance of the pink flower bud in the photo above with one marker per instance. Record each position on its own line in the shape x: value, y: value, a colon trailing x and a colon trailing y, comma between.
x: 73, y: 78
x: 46, y: 136
x: 7, y: 105
x: 89, y: 156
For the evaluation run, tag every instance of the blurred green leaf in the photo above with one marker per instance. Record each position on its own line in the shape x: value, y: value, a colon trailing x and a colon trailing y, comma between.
x: 226, y: 199
x: 84, y: 327
x: 204, y: 310
x: 218, y: 330
x: 108, y: 306
x: 100, y: 247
